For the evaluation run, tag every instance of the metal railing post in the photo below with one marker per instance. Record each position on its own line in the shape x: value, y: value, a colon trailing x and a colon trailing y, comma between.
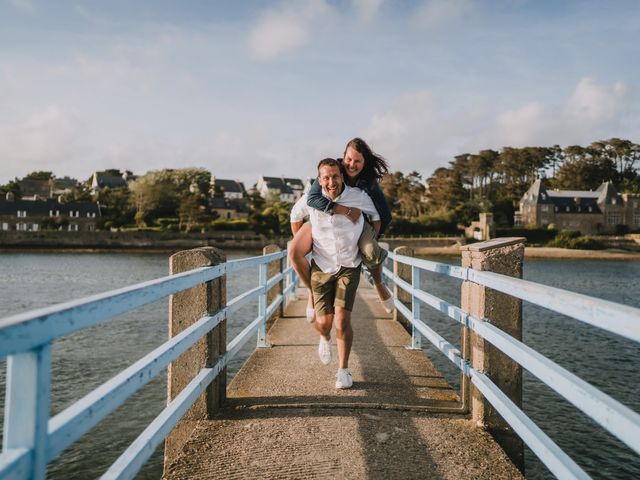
x: 416, y: 338
x: 262, y: 307
x: 28, y: 399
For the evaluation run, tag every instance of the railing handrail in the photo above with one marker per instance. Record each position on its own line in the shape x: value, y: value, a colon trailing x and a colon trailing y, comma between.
x: 615, y: 417
x: 26, y: 334
x: 614, y: 317
x: 25, y: 331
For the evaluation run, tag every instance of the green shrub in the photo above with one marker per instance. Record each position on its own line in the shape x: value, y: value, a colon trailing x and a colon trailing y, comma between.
x: 573, y: 239
x: 229, y: 225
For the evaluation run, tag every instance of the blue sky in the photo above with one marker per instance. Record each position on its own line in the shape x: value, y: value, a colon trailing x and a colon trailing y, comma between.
x: 271, y: 87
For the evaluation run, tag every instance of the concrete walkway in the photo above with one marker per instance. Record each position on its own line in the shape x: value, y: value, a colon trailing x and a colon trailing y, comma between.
x: 285, y: 419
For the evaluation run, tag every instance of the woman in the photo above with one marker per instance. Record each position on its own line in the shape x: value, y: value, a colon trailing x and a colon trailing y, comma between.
x: 363, y: 169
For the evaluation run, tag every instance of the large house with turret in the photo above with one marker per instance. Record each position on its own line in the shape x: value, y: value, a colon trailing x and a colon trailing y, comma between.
x: 590, y: 212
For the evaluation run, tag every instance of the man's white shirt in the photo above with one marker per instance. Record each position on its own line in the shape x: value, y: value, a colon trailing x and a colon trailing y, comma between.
x: 335, y: 237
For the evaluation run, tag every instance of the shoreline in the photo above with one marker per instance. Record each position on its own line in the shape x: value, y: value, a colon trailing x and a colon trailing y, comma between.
x: 452, y: 251
x: 544, y: 252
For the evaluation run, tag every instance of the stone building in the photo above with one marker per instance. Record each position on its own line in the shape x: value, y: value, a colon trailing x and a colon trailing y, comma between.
x: 34, y: 215
x: 590, y: 212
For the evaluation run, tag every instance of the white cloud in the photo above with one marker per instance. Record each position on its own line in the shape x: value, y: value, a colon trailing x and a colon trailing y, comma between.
x: 24, y: 5
x: 286, y: 27
x: 366, y: 10
x: 47, y: 140
x: 591, y: 103
x: 435, y: 13
x: 420, y: 131
x: 591, y: 112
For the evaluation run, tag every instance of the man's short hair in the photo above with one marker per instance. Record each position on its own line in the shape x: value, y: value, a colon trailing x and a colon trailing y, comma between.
x: 328, y: 162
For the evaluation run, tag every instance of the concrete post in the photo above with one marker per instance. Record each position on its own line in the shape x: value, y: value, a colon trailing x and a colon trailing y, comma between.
x: 404, y: 272
x: 185, y: 308
x: 274, y: 268
x: 504, y: 256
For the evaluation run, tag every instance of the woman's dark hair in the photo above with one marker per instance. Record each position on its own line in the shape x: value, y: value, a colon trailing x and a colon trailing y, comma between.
x: 375, y: 166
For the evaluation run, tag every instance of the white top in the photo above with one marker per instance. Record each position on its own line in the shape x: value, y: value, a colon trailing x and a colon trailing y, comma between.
x: 335, y: 237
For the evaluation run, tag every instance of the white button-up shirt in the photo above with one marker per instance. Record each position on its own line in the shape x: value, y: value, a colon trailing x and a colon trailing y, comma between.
x: 335, y: 237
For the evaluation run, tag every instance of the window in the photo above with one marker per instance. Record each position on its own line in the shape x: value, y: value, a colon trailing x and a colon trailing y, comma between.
x: 51, y: 213
x: 613, y: 218
x: 34, y: 227
x: 73, y: 227
x: 614, y: 201
x: 5, y: 226
x: 21, y: 227
x: 22, y: 213
x: 635, y: 204
x: 544, y: 208
x: 590, y: 209
x: 566, y: 209
x: 636, y: 219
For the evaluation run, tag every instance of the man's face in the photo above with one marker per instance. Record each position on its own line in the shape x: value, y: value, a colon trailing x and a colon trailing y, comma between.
x: 331, y: 180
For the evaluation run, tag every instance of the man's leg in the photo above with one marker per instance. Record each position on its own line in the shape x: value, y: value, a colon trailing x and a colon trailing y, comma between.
x: 299, y: 247
x: 323, y: 286
x: 346, y: 287
x: 344, y: 336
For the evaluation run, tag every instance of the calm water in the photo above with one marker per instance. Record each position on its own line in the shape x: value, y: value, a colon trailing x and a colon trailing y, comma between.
x: 85, y: 360
x: 605, y: 360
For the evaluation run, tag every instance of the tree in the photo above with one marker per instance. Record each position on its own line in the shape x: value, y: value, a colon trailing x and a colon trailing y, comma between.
x: 39, y: 175
x: 159, y: 193
x: 445, y: 190
x: 584, y: 169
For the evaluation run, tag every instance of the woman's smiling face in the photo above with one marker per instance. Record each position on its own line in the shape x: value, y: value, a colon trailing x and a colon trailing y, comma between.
x: 353, y: 162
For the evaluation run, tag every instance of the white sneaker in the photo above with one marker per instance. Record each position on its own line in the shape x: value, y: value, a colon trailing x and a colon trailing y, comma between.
x: 311, y: 315
x: 324, y: 351
x: 343, y: 378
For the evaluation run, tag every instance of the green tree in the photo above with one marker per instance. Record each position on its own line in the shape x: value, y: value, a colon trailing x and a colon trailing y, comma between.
x: 39, y: 175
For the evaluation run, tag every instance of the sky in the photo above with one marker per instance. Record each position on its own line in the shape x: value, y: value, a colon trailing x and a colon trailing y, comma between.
x: 255, y: 87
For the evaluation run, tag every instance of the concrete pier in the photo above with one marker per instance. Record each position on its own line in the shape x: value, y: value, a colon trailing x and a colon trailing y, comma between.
x: 283, y: 418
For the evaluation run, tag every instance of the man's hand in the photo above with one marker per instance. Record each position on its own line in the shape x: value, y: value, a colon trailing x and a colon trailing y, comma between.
x: 352, y: 213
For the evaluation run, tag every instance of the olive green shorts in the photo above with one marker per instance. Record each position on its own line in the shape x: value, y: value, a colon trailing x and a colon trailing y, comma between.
x: 334, y: 290
x: 372, y: 254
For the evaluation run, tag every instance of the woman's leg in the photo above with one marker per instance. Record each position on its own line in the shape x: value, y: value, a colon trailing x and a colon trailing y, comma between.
x: 299, y: 247
x: 373, y: 256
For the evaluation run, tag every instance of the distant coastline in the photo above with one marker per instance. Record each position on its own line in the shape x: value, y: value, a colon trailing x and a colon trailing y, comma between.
x: 149, y: 241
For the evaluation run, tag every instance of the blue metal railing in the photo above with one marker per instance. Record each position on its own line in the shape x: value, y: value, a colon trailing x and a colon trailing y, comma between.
x: 31, y: 439
x: 623, y: 320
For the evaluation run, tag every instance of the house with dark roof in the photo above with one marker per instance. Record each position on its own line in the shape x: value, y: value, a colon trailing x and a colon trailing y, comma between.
x: 102, y: 180
x: 280, y: 188
x: 228, y: 208
x: 231, y: 189
x: 593, y: 211
x: 39, y: 214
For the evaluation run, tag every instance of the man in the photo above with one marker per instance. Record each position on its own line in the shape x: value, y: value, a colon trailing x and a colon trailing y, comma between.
x: 335, y: 268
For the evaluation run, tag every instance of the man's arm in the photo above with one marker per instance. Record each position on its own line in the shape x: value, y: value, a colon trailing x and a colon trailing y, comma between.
x: 376, y: 225
x: 298, y: 213
x: 316, y: 200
